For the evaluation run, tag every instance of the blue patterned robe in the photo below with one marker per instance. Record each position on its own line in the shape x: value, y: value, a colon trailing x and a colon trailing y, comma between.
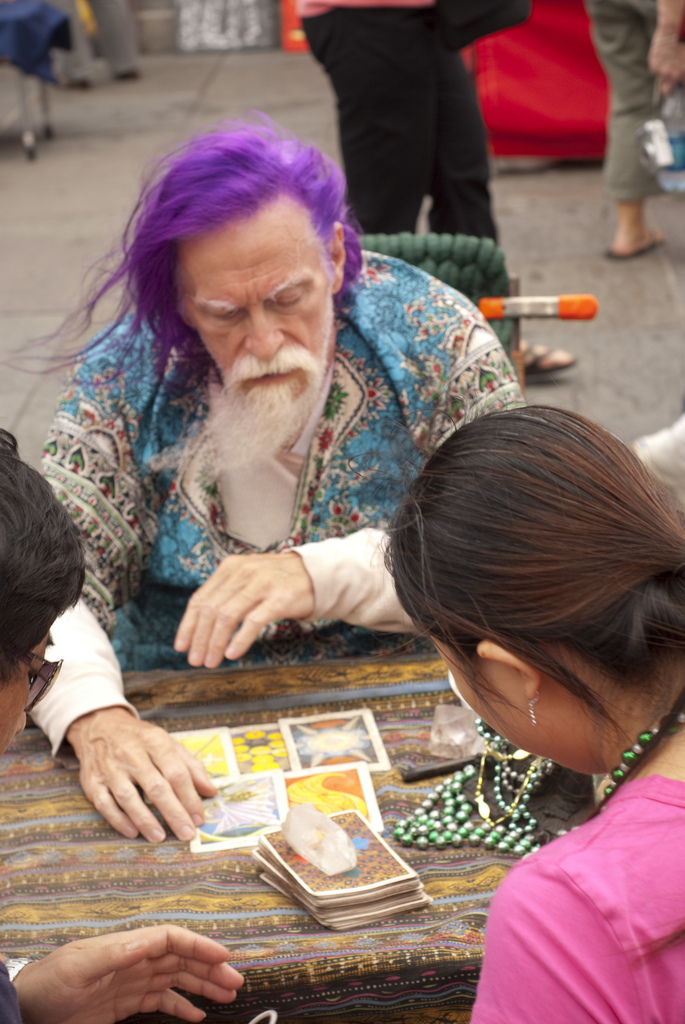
x: 130, y: 457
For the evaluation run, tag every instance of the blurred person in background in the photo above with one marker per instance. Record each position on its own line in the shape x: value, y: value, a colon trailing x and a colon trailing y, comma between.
x: 409, y: 120
x: 664, y: 451
x: 636, y: 40
x: 116, y: 40
x: 409, y: 125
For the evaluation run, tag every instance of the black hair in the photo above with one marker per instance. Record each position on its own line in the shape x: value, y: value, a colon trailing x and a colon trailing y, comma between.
x: 41, y: 557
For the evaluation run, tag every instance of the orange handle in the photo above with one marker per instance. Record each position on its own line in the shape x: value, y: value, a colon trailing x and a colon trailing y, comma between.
x: 492, y: 309
x: 578, y: 307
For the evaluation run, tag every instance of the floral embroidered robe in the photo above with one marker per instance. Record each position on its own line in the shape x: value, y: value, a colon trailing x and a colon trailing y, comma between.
x: 132, y: 459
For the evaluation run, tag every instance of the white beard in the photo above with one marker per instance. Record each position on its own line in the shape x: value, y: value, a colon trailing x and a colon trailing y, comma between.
x: 251, y: 426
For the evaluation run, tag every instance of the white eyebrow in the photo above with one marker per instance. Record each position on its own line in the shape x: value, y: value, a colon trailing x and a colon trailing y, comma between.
x: 216, y: 305
x: 292, y: 282
x: 223, y: 306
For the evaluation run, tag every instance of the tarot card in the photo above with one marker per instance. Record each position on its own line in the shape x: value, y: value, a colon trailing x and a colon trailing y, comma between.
x: 334, y: 738
x: 242, y: 810
x: 259, y: 748
x: 377, y: 864
x: 213, y: 747
x: 338, y: 788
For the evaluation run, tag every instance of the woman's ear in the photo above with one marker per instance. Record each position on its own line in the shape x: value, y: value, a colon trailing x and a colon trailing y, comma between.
x: 507, y: 671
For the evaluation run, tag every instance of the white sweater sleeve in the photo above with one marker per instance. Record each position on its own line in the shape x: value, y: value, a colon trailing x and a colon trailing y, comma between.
x: 90, y: 678
x: 351, y: 582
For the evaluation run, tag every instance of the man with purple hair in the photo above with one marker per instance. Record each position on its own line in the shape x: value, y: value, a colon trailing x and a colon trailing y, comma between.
x: 227, y: 446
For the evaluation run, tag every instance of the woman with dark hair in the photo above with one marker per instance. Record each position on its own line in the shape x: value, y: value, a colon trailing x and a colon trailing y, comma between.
x: 549, y: 568
x: 107, y: 978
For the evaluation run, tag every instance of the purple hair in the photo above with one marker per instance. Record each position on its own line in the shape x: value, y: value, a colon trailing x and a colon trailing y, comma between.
x: 219, y: 176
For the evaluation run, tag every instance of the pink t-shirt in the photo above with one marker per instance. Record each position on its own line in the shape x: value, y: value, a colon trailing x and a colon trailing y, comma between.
x: 567, y: 925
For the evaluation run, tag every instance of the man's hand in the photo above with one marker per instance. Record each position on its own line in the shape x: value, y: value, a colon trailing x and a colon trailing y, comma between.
x: 667, y: 59
x: 110, y: 977
x: 246, y: 591
x: 118, y: 752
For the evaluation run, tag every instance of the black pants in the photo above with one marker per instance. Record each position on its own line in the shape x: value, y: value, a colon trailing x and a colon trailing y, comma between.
x: 409, y: 120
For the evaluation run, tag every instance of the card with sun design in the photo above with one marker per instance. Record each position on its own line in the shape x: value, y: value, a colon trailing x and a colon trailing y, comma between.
x: 242, y: 811
x: 340, y: 787
x: 316, y: 741
x: 213, y: 747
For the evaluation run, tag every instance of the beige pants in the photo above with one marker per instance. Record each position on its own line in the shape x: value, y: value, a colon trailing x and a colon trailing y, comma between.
x: 116, y: 34
x: 623, y: 31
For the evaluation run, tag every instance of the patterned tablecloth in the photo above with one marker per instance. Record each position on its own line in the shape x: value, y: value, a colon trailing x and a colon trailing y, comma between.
x: 65, y: 874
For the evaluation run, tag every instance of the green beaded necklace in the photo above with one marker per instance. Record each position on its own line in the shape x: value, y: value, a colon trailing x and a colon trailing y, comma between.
x: 646, y: 741
x: 514, y: 830
x: 455, y: 824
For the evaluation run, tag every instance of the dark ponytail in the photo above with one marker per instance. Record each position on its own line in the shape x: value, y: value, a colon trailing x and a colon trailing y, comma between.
x: 541, y: 531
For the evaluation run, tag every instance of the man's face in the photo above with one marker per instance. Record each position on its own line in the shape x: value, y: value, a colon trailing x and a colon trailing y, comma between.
x: 259, y: 287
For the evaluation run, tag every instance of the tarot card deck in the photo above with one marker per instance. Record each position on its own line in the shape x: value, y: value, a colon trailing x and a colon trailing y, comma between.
x: 380, y: 886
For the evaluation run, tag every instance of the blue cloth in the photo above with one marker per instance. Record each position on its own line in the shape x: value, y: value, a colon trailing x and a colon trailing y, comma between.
x: 9, y: 1002
x: 130, y: 456
x: 28, y: 30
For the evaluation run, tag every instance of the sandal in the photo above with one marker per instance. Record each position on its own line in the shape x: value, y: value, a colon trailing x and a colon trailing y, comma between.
x: 539, y: 359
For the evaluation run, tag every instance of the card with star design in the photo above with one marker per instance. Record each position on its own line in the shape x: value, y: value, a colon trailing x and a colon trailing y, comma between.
x: 343, y: 737
x: 242, y: 811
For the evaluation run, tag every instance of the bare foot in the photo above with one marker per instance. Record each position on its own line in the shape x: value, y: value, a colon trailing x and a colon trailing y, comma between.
x: 625, y: 246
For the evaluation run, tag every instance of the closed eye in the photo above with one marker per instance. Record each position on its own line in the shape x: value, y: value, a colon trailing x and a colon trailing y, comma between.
x: 225, y: 316
x: 288, y: 297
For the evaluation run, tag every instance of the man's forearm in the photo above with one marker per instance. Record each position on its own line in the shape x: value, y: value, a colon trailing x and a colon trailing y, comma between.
x: 351, y: 582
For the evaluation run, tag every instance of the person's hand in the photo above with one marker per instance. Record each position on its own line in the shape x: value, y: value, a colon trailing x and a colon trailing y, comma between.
x: 667, y: 59
x: 117, y: 753
x: 110, y: 977
x: 245, y: 594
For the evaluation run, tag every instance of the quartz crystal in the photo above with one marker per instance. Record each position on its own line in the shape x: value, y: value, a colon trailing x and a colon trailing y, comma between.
x: 319, y: 840
x: 453, y: 733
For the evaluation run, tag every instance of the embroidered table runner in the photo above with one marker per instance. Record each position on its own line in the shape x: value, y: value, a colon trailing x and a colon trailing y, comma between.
x: 65, y: 874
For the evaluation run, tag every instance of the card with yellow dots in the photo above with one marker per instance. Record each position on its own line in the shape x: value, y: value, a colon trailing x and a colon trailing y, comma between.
x: 259, y: 748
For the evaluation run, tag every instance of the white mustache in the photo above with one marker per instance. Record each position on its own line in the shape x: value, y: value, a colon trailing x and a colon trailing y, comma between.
x: 250, y: 367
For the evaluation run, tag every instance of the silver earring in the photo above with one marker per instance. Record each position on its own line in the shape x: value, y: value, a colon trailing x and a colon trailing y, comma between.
x: 531, y: 707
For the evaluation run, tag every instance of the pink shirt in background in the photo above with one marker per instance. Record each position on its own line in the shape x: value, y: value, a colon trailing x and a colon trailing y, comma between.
x: 311, y: 8
x: 567, y: 925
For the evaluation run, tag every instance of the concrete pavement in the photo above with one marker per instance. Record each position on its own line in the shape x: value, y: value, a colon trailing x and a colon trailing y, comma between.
x: 59, y: 214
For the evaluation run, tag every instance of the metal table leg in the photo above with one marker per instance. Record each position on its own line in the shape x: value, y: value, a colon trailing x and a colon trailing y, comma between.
x: 28, y: 138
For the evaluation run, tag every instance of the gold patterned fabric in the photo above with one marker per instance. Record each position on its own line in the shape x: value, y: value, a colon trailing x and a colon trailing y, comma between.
x: 65, y: 874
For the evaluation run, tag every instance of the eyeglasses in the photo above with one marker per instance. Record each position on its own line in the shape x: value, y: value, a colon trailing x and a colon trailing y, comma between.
x: 40, y: 680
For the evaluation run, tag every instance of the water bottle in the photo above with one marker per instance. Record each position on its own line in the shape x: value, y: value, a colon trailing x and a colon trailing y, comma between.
x: 672, y: 178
